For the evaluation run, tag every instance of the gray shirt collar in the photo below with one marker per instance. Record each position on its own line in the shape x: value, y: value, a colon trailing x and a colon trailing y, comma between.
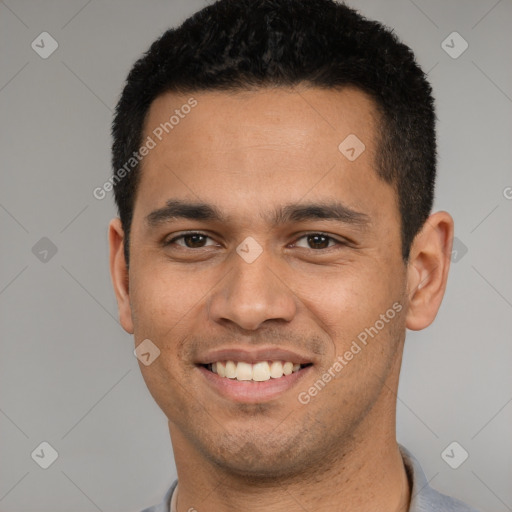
x: 423, y: 497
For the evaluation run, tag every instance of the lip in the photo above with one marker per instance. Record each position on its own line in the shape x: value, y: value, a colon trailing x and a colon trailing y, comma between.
x: 239, y: 354
x: 250, y: 391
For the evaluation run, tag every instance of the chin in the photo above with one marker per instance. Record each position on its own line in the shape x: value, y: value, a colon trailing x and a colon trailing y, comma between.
x: 258, y: 460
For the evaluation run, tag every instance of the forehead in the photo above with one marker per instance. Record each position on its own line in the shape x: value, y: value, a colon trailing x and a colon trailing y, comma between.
x: 278, y: 115
x: 242, y: 149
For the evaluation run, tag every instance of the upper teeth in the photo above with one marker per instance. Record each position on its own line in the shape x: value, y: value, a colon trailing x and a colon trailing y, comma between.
x: 260, y: 371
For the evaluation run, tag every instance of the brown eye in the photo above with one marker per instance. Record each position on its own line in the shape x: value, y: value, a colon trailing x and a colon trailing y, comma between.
x: 318, y: 241
x: 190, y: 240
x: 194, y: 241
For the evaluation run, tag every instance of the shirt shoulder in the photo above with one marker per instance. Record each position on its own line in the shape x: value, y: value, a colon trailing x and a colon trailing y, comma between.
x: 425, y: 498
x: 165, y: 504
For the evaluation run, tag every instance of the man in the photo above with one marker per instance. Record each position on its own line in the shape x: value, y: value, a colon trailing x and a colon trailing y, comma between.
x: 274, y: 168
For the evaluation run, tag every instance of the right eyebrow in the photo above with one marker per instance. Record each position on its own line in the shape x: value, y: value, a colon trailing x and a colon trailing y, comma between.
x: 177, y: 209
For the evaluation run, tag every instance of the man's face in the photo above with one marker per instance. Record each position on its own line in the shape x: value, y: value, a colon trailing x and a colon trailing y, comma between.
x: 249, y: 155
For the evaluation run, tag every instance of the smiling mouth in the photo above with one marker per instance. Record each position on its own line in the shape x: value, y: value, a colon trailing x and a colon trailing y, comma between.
x: 256, y: 372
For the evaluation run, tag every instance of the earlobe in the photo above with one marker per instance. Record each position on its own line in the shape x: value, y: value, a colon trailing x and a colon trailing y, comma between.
x: 119, y: 274
x: 427, y: 270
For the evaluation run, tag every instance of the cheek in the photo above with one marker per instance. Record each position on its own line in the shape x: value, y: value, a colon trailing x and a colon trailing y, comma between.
x: 163, y: 302
x: 365, y: 330
x: 348, y: 297
x: 164, y: 306
x: 349, y: 304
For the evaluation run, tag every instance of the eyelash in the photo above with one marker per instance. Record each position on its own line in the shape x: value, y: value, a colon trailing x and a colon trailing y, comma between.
x: 330, y: 238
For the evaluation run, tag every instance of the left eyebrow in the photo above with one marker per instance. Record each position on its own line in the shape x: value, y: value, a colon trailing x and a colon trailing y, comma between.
x: 334, y: 211
x: 293, y: 212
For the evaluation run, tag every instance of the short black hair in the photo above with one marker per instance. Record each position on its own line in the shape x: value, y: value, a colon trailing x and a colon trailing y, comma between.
x: 235, y: 45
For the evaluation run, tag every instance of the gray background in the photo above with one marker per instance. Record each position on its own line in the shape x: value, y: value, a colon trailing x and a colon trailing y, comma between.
x: 68, y: 375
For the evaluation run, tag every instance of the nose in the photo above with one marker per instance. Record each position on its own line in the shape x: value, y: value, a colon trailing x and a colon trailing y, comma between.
x: 252, y: 293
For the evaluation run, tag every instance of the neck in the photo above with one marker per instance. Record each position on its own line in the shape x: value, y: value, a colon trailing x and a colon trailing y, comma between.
x: 363, y: 477
x: 364, y: 491
x: 362, y: 473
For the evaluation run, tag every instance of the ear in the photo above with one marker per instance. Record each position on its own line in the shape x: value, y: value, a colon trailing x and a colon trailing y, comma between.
x: 427, y: 270
x: 119, y: 273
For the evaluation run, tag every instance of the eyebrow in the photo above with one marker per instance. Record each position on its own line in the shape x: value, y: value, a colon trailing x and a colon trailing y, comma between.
x: 293, y: 212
